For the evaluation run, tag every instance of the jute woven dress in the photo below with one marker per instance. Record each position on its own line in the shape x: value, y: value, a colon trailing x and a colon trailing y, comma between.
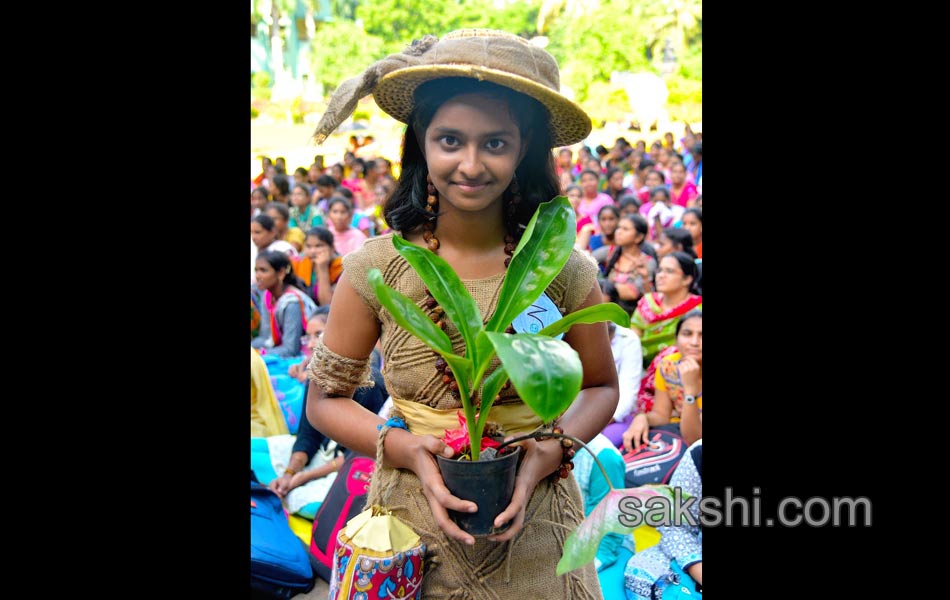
x: 524, y: 567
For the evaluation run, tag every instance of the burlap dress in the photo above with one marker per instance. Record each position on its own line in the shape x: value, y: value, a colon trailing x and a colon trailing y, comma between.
x: 524, y: 567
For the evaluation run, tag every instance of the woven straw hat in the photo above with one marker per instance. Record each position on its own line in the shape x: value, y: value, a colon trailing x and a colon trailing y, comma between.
x: 482, y: 54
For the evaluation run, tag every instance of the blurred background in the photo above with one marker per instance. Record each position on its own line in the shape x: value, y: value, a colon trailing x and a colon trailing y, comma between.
x: 634, y: 65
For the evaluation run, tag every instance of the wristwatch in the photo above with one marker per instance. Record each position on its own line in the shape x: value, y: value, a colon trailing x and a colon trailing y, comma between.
x: 689, y: 399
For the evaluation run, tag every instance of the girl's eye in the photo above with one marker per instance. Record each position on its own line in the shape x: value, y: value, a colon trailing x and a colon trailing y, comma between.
x: 449, y: 140
x: 495, y: 144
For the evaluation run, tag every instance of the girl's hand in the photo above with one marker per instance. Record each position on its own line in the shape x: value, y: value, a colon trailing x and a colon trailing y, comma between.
x: 282, y: 485
x: 689, y: 376
x: 540, y: 460
x: 637, y: 433
x: 419, y: 455
x: 322, y: 260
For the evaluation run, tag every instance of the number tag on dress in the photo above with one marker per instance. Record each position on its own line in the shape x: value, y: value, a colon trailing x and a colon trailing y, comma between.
x: 537, y: 316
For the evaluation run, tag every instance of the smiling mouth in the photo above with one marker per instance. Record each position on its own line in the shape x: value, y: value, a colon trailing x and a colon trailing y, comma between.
x: 471, y: 186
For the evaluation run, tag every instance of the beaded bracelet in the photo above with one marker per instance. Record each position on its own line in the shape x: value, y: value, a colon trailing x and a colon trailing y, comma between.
x: 567, y: 455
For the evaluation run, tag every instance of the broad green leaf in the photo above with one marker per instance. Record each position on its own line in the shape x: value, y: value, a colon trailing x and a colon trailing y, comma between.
x: 447, y: 289
x: 546, y: 372
x: 408, y: 315
x: 608, y: 311
x: 490, y: 389
x: 608, y: 516
x: 485, y: 353
x: 541, y: 254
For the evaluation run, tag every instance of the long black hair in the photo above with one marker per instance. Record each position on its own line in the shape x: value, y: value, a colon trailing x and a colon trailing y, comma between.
x: 689, y: 268
x: 681, y: 237
x: 279, y: 260
x: 639, y: 225
x: 692, y: 314
x: 323, y: 234
x: 405, y: 210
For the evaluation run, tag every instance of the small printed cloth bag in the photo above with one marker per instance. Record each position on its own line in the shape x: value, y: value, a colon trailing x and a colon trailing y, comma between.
x: 377, y: 556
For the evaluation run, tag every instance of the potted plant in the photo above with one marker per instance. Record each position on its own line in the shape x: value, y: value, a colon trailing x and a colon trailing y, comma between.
x: 545, y: 371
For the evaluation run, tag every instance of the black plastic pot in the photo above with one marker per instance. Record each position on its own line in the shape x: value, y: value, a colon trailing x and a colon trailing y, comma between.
x: 488, y: 483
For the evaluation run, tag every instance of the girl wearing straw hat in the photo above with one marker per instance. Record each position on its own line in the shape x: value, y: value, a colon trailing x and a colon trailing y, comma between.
x: 483, y: 111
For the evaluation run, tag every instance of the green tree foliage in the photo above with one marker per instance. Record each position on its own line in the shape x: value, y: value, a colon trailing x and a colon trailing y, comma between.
x: 398, y: 22
x: 591, y: 39
x: 606, y: 103
x: 621, y: 35
x: 342, y: 50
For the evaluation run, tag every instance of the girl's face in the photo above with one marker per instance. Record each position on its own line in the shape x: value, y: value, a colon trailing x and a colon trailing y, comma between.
x: 693, y: 226
x: 564, y: 159
x: 629, y: 209
x: 280, y: 223
x: 565, y: 179
x: 380, y: 192
x: 314, y: 245
x: 666, y: 246
x: 616, y: 181
x: 594, y: 165
x: 607, y: 221
x: 336, y: 171
x: 626, y: 234
x: 472, y: 147
x: 315, y: 327
x: 299, y: 198
x: 660, y: 196
x: 575, y: 196
x: 669, y: 276
x: 690, y: 338
x: 258, y: 199
x: 589, y: 184
x: 265, y: 275
x: 260, y: 236
x: 634, y: 161
x: 677, y: 174
x: 653, y: 179
x: 325, y: 191
x: 663, y: 155
x: 340, y: 217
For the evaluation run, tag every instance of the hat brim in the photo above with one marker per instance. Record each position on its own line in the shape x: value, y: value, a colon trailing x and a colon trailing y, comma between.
x: 394, y: 95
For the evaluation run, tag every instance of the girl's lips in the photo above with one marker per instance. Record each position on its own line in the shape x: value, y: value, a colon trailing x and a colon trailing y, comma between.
x: 471, y: 187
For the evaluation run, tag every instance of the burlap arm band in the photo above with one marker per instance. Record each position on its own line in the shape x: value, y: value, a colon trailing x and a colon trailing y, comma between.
x: 338, y: 375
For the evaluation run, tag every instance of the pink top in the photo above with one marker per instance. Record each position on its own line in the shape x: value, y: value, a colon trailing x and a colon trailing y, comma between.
x: 585, y: 220
x: 689, y: 192
x: 590, y: 208
x: 347, y: 241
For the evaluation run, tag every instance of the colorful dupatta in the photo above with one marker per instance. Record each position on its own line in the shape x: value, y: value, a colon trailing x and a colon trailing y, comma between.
x: 658, y: 327
x: 303, y: 268
x: 273, y: 308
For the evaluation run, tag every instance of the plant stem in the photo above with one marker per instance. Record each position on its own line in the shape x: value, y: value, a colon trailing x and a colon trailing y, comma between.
x: 474, y: 435
x: 550, y: 434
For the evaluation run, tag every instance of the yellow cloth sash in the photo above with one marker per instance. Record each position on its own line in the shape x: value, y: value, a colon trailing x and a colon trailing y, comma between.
x: 515, y: 419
